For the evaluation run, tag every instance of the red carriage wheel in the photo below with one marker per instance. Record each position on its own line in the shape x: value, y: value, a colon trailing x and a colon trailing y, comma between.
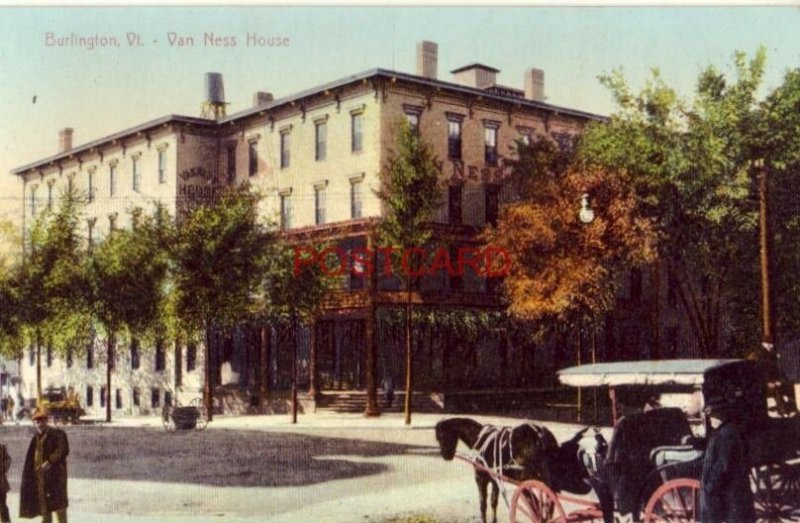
x: 676, y: 501
x: 534, y: 502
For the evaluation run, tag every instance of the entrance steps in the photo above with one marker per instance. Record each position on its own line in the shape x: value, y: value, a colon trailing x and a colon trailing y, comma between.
x: 355, y: 401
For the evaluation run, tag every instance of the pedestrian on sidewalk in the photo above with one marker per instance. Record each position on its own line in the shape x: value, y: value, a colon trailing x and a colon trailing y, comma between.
x: 725, y: 494
x: 9, y: 412
x: 5, y: 464
x: 388, y: 389
x: 44, y: 476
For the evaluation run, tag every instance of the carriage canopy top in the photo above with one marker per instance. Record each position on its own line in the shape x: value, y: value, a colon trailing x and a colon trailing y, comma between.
x: 664, y: 372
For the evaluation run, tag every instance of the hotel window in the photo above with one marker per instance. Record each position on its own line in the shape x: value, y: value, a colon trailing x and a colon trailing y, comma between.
x: 137, y: 397
x: 231, y: 163
x: 161, y: 355
x: 356, y: 132
x: 155, y: 397
x: 492, y: 200
x: 454, y: 204
x: 454, y: 136
x: 319, y: 204
x: 118, y: 399
x: 137, y: 174
x: 490, y: 143
x: 50, y: 195
x: 91, y: 186
x: 32, y: 195
x: 136, y: 359
x: 90, y: 355
x: 286, y: 142
x: 49, y: 355
x: 191, y: 357
x: 90, y: 231
x: 112, y: 179
x: 356, y: 198
x: 167, y: 398
x: 162, y: 166
x: 252, y: 157
x: 413, y: 114
x: 89, y: 396
x: 320, y: 140
x: 102, y: 396
x: 286, y: 211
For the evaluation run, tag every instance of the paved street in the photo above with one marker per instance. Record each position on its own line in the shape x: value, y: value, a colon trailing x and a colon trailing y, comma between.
x: 328, y: 468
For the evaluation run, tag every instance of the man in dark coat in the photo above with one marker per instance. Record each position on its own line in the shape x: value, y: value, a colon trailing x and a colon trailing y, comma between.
x: 44, y: 476
x: 725, y: 482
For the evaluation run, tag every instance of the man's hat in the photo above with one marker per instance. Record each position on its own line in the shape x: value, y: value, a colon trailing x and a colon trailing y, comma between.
x: 40, y: 413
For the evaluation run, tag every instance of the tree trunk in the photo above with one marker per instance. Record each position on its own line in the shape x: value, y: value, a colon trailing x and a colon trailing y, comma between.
x: 38, y: 368
x: 294, y: 367
x: 409, y: 370
x: 178, y: 366
x: 109, y: 369
x: 208, y: 390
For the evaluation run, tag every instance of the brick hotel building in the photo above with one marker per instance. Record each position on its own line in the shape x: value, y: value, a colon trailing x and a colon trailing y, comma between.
x: 316, y: 156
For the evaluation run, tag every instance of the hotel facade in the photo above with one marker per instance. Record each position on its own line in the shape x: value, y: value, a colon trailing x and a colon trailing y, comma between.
x: 315, y: 156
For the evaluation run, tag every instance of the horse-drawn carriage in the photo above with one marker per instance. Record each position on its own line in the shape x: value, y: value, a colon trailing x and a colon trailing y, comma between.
x: 185, y: 417
x: 651, y: 467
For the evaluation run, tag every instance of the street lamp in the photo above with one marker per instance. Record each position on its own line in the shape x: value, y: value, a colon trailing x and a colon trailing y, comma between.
x: 586, y: 216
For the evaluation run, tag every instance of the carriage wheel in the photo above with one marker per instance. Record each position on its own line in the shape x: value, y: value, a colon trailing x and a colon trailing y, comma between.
x: 166, y: 418
x: 677, y: 500
x: 534, y: 502
x: 202, y: 420
x: 776, y: 488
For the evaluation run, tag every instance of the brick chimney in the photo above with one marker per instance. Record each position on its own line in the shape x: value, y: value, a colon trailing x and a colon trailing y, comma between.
x: 427, y: 59
x: 478, y: 76
x: 65, y: 139
x: 534, y: 85
x: 262, y: 98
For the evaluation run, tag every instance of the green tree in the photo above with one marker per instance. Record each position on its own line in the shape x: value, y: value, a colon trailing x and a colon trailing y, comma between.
x: 292, y: 291
x: 690, y: 165
x: 410, y: 193
x: 10, y: 342
x: 127, y: 274
x: 217, y: 251
x: 777, y: 141
x: 50, y: 282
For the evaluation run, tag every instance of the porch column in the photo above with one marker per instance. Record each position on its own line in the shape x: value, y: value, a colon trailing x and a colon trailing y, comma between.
x: 370, y: 336
x: 264, y: 359
x: 313, y: 378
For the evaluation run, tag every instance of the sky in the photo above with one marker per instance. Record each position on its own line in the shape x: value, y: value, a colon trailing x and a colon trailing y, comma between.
x: 103, y: 90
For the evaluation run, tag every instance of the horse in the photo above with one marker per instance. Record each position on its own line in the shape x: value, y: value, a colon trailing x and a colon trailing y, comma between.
x: 527, y: 451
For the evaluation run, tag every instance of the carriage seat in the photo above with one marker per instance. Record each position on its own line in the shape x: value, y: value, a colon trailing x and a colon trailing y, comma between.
x: 669, y: 454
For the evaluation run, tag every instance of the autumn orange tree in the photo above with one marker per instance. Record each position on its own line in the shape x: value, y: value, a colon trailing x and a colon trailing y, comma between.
x: 564, y: 270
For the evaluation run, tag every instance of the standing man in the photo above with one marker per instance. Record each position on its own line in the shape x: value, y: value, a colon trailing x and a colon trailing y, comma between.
x: 725, y: 494
x: 5, y: 464
x: 44, y: 477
